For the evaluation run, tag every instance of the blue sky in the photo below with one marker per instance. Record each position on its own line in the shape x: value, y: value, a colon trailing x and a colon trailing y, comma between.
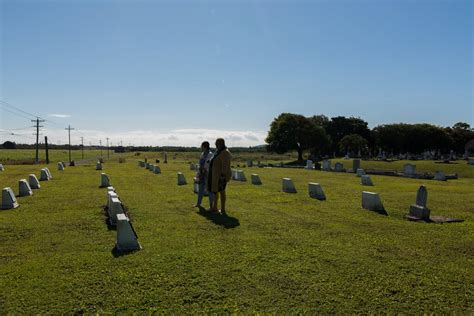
x: 154, y: 72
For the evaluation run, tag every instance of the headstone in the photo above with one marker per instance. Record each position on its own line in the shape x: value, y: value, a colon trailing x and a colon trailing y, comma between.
x: 165, y: 159
x: 156, y: 169
x: 288, y: 186
x: 98, y: 166
x: 33, y: 182
x: 127, y: 239
x: 115, y: 208
x: 439, y: 176
x: 104, y: 180
x: 371, y: 201
x: 366, y: 180
x: 110, y: 189
x: 419, y: 209
x: 141, y: 163
x: 249, y: 163
x: 49, y: 173
x: 2, y: 168
x: 234, y: 174
x: 316, y: 191
x: 409, y: 170
x: 470, y: 162
x: 181, y: 179
x: 466, y: 155
x: 152, y: 168
x: 110, y: 196
x: 327, y: 165
x: 360, y: 172
x: 240, y: 176
x: 44, y: 175
x: 256, y: 179
x: 60, y: 166
x: 8, y: 199
x: 309, y: 164
x: 339, y: 167
x: 24, y: 188
x: 355, y: 164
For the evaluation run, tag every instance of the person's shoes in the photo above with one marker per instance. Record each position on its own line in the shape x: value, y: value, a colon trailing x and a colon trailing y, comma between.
x: 197, y: 205
x: 223, y: 212
x: 213, y: 211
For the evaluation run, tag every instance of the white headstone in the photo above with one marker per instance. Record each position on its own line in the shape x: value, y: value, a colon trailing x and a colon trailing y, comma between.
x: 181, y: 179
x: 256, y: 179
x: 104, y: 180
x: 33, y: 182
x: 409, y: 169
x: 115, y: 208
x: 440, y: 176
x: 24, y: 188
x: 60, y: 166
x: 366, y: 180
x: 288, y: 186
x: 127, y: 239
x: 234, y: 174
x: 371, y: 201
x: 327, y: 165
x: 111, y: 195
x: 360, y: 172
x: 98, y: 166
x: 316, y: 191
x: 2, y: 168
x: 240, y: 176
x: 49, y: 173
x: 157, y: 169
x: 339, y: 167
x: 8, y: 199
x: 110, y: 189
x: 44, y: 175
x: 309, y: 164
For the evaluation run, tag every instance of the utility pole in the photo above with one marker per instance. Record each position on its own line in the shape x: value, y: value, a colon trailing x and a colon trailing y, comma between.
x: 37, y: 121
x: 69, y: 128
x: 82, y: 142
x: 108, y: 155
x: 46, y: 148
x: 100, y: 145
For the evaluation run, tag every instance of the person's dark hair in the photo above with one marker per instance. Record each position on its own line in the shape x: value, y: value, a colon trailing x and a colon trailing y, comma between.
x: 220, y: 143
x: 205, y: 145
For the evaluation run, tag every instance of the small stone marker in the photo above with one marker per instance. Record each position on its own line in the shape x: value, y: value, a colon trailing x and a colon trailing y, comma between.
x: 419, y: 209
x: 240, y: 176
x: 49, y: 173
x: 439, y: 176
x: 156, y: 169
x: 360, y: 172
x: 288, y: 186
x: 104, y: 180
x: 98, y: 166
x: 33, y: 182
x: 2, y: 168
x: 24, y: 188
x: 309, y: 165
x: 127, y: 239
x: 409, y: 170
x: 165, y: 159
x: 355, y: 164
x: 141, y: 163
x: 192, y: 166
x: 110, y: 196
x: 256, y: 179
x: 366, y: 180
x: 44, y: 175
x: 316, y: 191
x: 234, y: 174
x: 181, y: 179
x: 371, y: 201
x: 110, y: 189
x: 8, y: 199
x: 249, y: 163
x: 60, y: 166
x: 327, y: 165
x: 339, y: 167
x: 115, y: 208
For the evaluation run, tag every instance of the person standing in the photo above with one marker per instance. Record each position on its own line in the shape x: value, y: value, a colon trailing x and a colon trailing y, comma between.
x: 203, y: 172
x: 219, y: 174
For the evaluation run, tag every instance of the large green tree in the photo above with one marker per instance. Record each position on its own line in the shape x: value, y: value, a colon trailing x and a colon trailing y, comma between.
x: 291, y: 131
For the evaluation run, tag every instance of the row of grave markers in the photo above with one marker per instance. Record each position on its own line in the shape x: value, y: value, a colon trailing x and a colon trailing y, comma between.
x: 127, y: 238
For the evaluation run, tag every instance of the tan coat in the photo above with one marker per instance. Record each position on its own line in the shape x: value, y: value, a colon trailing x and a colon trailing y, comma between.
x: 221, y: 166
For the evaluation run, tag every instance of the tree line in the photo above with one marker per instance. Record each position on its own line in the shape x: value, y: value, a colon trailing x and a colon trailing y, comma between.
x: 323, y: 136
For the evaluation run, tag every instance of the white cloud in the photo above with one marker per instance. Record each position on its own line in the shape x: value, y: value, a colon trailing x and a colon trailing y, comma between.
x: 59, y: 115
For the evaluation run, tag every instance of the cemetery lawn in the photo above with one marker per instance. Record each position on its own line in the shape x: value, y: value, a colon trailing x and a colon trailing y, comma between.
x: 274, y: 253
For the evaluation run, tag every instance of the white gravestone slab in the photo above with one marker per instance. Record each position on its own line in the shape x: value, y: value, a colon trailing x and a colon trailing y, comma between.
x: 256, y: 179
x: 288, y: 186
x: 111, y: 195
x: 240, y: 175
x: 44, y: 175
x: 234, y: 174
x: 327, y: 165
x: 309, y: 165
x: 439, y: 176
x: 110, y: 189
x: 409, y: 170
x: 156, y: 169
x: 2, y: 168
x: 360, y: 172
x: 419, y: 209
x: 366, y: 180
x: 8, y: 199
x: 316, y: 191
x: 24, y: 188
x: 49, y: 173
x: 371, y: 201
x: 127, y: 239
x: 104, y: 180
x: 339, y: 167
x: 33, y: 182
x: 116, y: 208
x: 181, y: 179
x: 60, y: 167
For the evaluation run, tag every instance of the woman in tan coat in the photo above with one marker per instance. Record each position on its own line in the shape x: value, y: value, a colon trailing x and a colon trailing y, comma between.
x: 219, y: 174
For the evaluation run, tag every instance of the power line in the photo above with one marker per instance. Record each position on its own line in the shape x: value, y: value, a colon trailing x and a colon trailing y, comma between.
x: 4, y: 103
x: 37, y: 138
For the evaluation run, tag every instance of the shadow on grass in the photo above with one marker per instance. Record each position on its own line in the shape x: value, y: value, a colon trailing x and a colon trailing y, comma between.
x: 219, y: 219
x: 119, y: 253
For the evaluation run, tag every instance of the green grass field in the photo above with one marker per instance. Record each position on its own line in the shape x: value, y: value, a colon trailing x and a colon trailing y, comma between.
x: 274, y: 253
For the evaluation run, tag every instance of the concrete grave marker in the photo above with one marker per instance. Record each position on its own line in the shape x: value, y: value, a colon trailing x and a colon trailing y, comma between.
x: 181, y: 179
x: 192, y: 166
x: 288, y: 186
x: 115, y: 208
x: 366, y: 180
x: 371, y: 201
x: 419, y: 209
x: 409, y: 170
x: 44, y: 175
x: 49, y: 173
x: 110, y: 189
x: 127, y: 239
x: 24, y: 188
x: 98, y: 166
x: 8, y: 199
x: 355, y: 164
x: 339, y: 167
x: 360, y: 172
x: 60, y: 166
x: 327, y: 165
x: 156, y: 169
x: 309, y: 165
x: 234, y: 174
x: 439, y: 176
x: 249, y: 163
x: 33, y: 182
x: 104, y: 180
x: 316, y: 191
x: 110, y: 196
x: 2, y: 168
x: 256, y: 179
x: 240, y: 176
